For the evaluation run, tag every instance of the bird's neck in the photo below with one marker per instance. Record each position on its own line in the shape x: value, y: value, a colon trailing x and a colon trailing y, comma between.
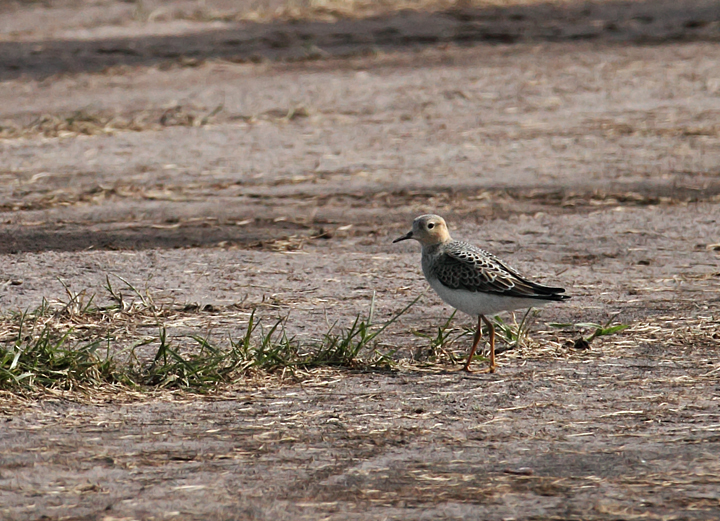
x: 432, y: 249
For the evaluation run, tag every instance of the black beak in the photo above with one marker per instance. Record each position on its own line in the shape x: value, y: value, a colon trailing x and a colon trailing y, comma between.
x: 405, y: 237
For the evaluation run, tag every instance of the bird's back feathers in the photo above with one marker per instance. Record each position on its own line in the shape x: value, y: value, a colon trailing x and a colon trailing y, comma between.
x: 460, y: 265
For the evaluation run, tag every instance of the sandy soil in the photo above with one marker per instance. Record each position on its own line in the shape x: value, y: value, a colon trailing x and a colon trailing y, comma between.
x: 580, y: 142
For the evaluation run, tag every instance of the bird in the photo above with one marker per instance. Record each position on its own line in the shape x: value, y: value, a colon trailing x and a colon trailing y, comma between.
x: 473, y: 280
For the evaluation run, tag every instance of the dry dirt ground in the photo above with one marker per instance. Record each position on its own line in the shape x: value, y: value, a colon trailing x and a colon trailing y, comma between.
x: 235, y: 164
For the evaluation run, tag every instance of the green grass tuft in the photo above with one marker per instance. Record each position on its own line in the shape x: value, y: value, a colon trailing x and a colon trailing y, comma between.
x: 511, y: 334
x: 47, y: 358
x: 77, y: 344
x: 598, y: 330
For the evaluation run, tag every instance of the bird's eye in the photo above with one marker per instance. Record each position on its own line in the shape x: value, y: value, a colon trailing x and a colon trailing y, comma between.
x: 431, y: 226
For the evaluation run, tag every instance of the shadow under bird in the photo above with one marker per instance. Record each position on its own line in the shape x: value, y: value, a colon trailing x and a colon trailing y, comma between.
x: 472, y: 280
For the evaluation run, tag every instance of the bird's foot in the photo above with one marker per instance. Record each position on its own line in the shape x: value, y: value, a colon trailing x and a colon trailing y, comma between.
x: 490, y: 369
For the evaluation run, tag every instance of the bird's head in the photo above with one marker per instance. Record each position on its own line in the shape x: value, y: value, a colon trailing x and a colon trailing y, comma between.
x: 428, y: 230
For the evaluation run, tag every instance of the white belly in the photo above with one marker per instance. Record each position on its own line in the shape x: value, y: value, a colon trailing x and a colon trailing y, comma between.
x: 478, y: 303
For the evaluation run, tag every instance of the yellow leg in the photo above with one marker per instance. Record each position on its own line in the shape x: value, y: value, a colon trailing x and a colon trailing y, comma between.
x: 476, y: 340
x: 492, y: 342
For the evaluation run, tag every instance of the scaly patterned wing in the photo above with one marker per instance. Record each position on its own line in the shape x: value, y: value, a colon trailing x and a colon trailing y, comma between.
x: 463, y: 266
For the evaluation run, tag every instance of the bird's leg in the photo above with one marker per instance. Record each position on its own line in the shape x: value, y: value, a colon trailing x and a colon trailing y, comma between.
x: 476, y: 341
x: 492, y: 342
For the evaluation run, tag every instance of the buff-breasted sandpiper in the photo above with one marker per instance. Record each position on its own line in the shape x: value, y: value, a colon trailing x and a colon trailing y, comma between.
x: 472, y: 280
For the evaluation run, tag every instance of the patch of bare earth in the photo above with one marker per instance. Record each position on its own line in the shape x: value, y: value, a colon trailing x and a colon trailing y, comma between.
x: 220, y: 165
